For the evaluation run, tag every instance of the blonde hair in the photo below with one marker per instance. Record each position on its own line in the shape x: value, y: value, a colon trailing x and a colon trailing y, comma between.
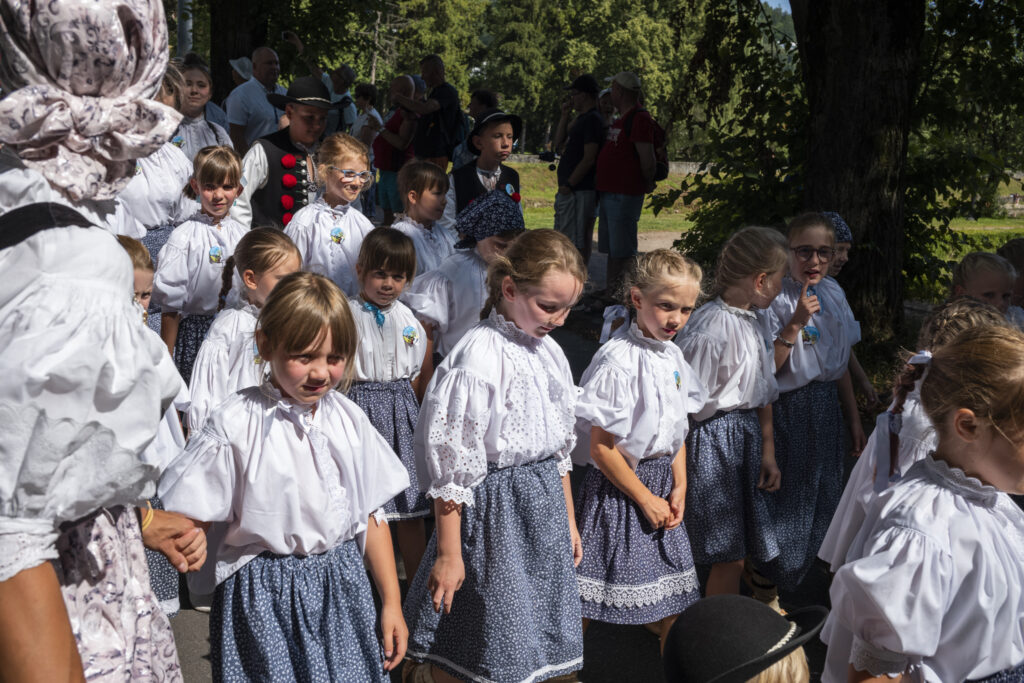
x: 806, y: 221
x: 137, y: 252
x: 750, y: 251
x: 259, y: 250
x: 790, y: 669
x: 658, y: 267
x: 978, y: 262
x: 338, y: 147
x: 296, y: 314
x: 528, y: 259
x: 982, y: 370
x: 214, y: 165
x: 1013, y: 251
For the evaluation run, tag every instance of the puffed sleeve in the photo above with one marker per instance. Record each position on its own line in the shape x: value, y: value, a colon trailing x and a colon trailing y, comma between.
x: 447, y: 220
x: 170, y: 282
x: 255, y: 170
x: 379, y: 476
x: 704, y: 357
x: 200, y: 482
x: 696, y: 389
x: 451, y: 453
x: 892, y: 600
x: 606, y: 400
x: 300, y: 230
x: 429, y: 296
x: 208, y: 385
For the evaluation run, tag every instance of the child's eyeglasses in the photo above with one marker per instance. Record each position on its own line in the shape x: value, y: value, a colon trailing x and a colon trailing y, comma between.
x: 805, y: 253
x: 350, y: 175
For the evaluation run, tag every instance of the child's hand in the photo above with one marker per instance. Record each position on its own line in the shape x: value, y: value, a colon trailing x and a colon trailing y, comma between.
x: 859, y: 441
x: 657, y: 511
x: 805, y: 308
x: 577, y: 544
x: 770, y: 478
x: 395, y: 635
x: 180, y: 539
x: 676, y: 503
x: 867, y: 390
x: 446, y: 577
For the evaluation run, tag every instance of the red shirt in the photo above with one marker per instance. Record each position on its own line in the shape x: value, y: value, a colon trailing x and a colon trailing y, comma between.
x: 618, y: 166
x: 385, y: 156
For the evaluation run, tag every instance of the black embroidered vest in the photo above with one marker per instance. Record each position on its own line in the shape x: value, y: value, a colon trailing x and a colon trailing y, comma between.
x: 288, y: 185
x: 468, y: 186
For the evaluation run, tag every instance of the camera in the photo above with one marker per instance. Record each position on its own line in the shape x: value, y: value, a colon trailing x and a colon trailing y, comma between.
x: 550, y: 157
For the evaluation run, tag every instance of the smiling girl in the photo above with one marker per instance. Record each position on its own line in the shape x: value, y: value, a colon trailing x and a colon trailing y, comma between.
x: 195, y: 130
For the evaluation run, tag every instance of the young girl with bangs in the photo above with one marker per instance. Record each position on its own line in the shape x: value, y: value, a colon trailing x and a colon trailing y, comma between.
x: 933, y: 585
x: 730, y: 452
x: 632, y: 418
x: 298, y: 475
x: 191, y: 266
x: 496, y: 595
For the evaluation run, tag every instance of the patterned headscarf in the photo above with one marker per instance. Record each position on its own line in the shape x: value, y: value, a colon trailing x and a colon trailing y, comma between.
x: 79, y: 75
x: 488, y: 215
x: 843, y: 233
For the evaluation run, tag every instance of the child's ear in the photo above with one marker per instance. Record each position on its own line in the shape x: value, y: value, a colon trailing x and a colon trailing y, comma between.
x: 249, y: 279
x: 411, y: 197
x: 508, y: 289
x: 359, y: 272
x: 194, y: 184
x: 636, y: 298
x: 966, y: 424
x: 261, y: 345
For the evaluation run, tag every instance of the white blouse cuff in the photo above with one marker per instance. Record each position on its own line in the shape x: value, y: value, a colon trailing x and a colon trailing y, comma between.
x: 564, y: 465
x: 877, y: 661
x: 380, y: 516
x: 25, y: 544
x: 451, y: 492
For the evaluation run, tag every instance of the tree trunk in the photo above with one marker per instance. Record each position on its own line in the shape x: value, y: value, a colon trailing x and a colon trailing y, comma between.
x: 860, y: 65
x: 237, y: 27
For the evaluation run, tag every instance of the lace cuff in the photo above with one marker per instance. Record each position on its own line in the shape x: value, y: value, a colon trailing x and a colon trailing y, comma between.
x: 564, y: 465
x: 877, y: 661
x: 451, y: 492
x: 379, y: 516
x: 25, y: 544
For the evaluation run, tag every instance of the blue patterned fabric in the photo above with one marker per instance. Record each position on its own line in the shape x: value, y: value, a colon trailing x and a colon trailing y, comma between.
x: 809, y: 451
x: 292, y: 618
x: 727, y: 516
x: 392, y: 408
x: 154, y: 240
x: 631, y: 573
x: 517, y: 615
x: 163, y: 578
x: 191, y: 332
x: 1014, y: 675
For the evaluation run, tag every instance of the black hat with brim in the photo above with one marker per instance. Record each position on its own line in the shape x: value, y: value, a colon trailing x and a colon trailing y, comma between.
x: 732, y: 638
x: 306, y: 90
x: 489, y: 117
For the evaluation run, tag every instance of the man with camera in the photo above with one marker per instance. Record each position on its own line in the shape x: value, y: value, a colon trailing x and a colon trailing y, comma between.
x: 576, y: 200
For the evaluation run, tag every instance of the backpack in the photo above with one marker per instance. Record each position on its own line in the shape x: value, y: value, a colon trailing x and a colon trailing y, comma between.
x: 660, y: 144
x: 458, y: 134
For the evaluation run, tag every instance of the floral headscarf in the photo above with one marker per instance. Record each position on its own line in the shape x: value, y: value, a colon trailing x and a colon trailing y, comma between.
x: 78, y: 77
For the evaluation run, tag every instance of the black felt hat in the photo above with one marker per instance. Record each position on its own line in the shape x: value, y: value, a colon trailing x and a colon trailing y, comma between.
x: 493, y: 116
x: 306, y: 90
x: 732, y: 638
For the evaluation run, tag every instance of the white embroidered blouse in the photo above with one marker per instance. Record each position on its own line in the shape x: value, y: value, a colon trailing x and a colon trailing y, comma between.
x: 433, y: 245
x: 394, y: 351
x: 450, y: 297
x: 329, y: 239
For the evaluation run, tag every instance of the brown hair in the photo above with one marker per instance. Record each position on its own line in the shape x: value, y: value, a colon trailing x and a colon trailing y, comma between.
x: 338, y: 147
x: 658, y: 267
x: 418, y: 177
x: 528, y: 259
x: 296, y: 313
x: 750, y: 251
x: 387, y: 249
x: 137, y: 252
x: 980, y: 262
x: 805, y: 221
x: 215, y: 164
x: 982, y: 370
x: 173, y: 83
x: 1013, y: 251
x: 259, y: 250
x: 193, y: 62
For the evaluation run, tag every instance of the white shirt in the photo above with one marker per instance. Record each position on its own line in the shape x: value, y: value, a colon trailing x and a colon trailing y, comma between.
x: 934, y: 582
x: 281, y: 477
x: 641, y: 391
x: 198, y: 133
x: 361, y: 120
x: 228, y: 360
x: 826, y: 359
x: 433, y: 245
x: 917, y: 439
x: 155, y: 197
x: 84, y: 382
x: 724, y: 346
x: 500, y: 397
x: 339, y: 120
x: 394, y: 351
x: 255, y: 171
x: 450, y: 297
x: 329, y: 239
x: 248, y: 106
x: 190, y: 273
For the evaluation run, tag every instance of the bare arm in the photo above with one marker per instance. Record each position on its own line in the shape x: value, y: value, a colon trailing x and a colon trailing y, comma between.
x: 448, y: 572
x: 645, y: 152
x: 770, y: 478
x: 169, y: 330
x: 614, y: 466
x: 562, y: 129
x: 849, y: 403
x: 805, y: 308
x: 677, y: 498
x: 855, y: 676
x: 574, y: 532
x: 405, y: 134
x: 421, y: 108
x: 381, y: 560
x: 419, y: 385
x: 860, y: 380
x: 590, y: 151
x: 300, y: 51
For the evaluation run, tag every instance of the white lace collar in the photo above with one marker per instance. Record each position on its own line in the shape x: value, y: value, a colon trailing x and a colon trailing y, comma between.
x: 955, y: 478
x: 339, y: 210
x: 510, y: 329
x: 739, y: 312
x: 204, y: 218
x: 429, y: 229
x: 638, y: 338
x: 294, y: 409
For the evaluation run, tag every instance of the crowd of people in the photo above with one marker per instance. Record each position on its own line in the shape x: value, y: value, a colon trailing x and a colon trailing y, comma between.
x: 261, y: 377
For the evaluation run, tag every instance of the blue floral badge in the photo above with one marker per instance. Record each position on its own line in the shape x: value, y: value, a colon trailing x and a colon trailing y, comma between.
x: 177, y: 141
x: 410, y: 335
x: 216, y: 254
x: 337, y: 235
x: 256, y: 353
x: 679, y: 380
x: 510, y: 190
x: 810, y: 335
x: 138, y: 168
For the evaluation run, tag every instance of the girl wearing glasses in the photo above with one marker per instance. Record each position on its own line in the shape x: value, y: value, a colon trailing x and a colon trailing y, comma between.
x: 812, y: 328
x: 330, y: 231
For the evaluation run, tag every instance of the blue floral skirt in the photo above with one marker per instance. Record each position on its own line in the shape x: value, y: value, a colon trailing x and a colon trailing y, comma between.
x: 191, y: 332
x: 1014, y: 675
x: 809, y: 451
x: 392, y: 408
x: 154, y: 241
x: 164, y: 579
x: 727, y: 517
x: 293, y: 618
x: 631, y: 573
x: 517, y: 615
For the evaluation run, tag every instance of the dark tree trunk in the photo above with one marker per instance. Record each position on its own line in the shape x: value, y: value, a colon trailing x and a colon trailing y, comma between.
x: 237, y: 27
x: 860, y: 64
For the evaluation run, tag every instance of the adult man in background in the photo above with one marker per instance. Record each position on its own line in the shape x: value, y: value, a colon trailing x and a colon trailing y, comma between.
x: 339, y: 84
x: 250, y: 113
x: 393, y: 147
x: 439, y: 114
